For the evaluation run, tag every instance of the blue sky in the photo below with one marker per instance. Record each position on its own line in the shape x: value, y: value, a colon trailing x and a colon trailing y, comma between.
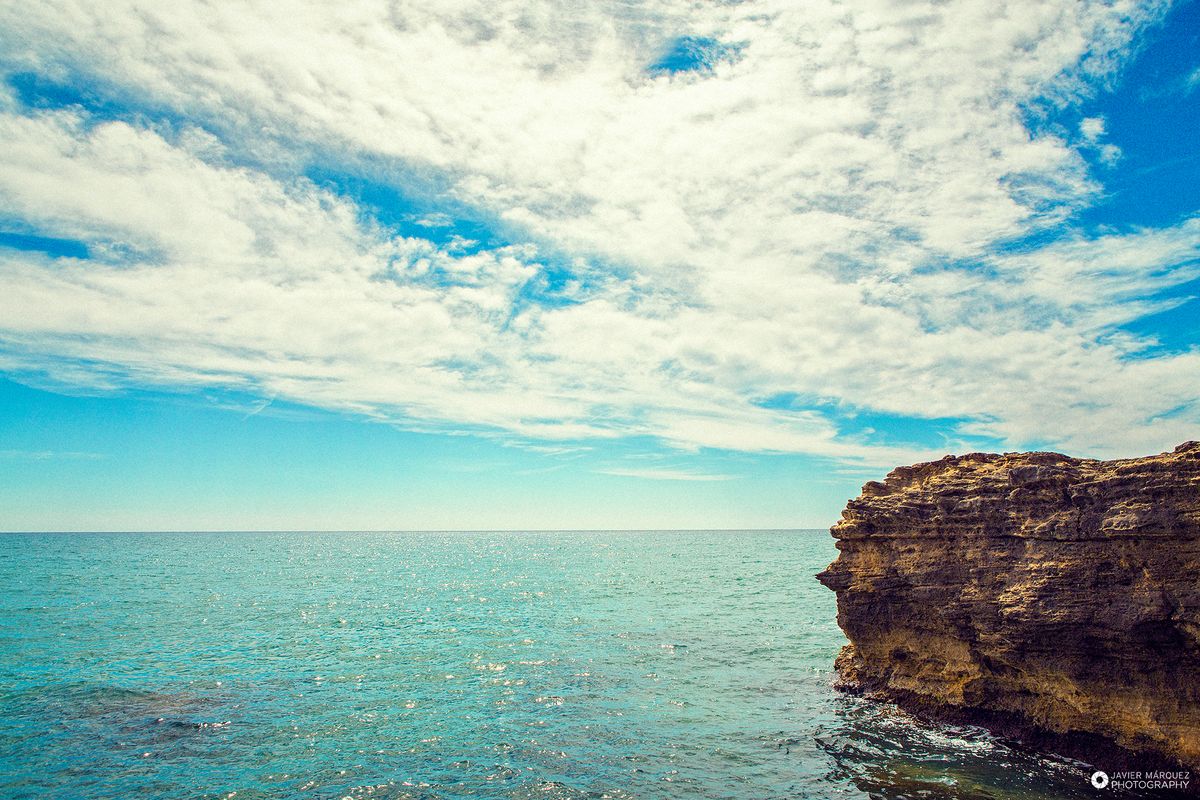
x: 523, y: 265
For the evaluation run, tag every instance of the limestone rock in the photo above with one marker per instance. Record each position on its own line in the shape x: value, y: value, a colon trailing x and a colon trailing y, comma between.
x: 1053, y: 598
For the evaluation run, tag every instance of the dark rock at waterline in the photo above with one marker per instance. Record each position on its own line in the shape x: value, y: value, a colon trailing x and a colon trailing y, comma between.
x: 1050, y: 598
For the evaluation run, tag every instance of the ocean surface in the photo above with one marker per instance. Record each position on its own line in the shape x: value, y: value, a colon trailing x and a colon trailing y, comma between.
x: 454, y: 665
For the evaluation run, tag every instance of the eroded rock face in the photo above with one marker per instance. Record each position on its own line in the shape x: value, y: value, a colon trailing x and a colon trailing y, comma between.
x: 1044, y: 595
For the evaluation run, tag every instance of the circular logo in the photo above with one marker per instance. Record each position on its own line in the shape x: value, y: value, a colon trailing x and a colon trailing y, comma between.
x: 1099, y: 779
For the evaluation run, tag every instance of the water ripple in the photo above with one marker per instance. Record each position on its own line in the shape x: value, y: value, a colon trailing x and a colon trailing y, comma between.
x: 547, y: 665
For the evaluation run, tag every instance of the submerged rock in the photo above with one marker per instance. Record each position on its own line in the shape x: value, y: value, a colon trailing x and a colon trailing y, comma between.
x: 1051, y: 598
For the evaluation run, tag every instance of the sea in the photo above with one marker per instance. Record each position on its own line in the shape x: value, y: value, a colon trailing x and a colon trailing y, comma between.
x: 552, y: 665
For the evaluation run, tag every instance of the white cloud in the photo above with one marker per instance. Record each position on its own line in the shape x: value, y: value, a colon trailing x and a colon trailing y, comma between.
x: 818, y: 217
x: 664, y: 474
x: 1192, y: 81
x: 1092, y: 128
x: 50, y: 455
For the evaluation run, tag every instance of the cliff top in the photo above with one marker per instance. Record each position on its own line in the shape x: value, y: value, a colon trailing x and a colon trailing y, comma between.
x: 1037, y: 493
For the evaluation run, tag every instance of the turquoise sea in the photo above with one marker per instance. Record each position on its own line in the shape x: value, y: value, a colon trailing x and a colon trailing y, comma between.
x: 454, y: 665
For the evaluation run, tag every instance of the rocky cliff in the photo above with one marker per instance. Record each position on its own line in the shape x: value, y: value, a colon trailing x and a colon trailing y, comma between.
x: 1052, y: 598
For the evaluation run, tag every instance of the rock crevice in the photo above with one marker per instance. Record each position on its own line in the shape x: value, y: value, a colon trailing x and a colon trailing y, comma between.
x: 1053, y: 598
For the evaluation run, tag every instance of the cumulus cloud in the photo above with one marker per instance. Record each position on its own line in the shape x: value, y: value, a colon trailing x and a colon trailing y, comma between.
x: 826, y: 211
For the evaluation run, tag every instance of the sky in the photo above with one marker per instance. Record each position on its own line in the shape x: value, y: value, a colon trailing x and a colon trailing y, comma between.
x: 460, y: 265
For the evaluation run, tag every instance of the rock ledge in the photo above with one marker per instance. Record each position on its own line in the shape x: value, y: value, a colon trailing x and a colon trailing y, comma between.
x: 1051, y: 598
